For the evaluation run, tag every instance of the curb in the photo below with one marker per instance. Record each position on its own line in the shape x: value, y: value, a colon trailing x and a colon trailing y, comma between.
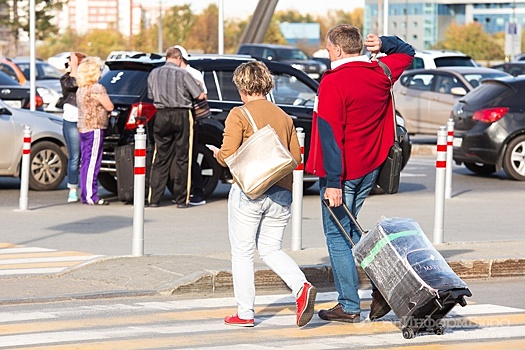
x: 321, y: 276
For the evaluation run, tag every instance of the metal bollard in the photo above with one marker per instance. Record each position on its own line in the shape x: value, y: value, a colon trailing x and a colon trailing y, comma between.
x: 439, y: 208
x: 297, y: 204
x: 450, y: 148
x: 24, y: 174
x: 139, y: 185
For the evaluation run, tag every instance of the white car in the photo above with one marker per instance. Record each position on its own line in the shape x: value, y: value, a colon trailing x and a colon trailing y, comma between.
x: 59, y: 60
x: 429, y: 59
x: 48, y: 159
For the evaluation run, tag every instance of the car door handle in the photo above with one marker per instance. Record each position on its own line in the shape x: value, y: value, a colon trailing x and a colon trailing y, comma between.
x: 216, y: 110
x: 294, y: 117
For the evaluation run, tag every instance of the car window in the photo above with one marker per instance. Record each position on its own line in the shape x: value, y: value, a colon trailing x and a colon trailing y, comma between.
x: 43, y: 71
x: 291, y: 91
x: 8, y: 70
x: 124, y: 82
x: 444, y: 83
x: 222, y: 86
x: 454, y: 61
x: 291, y: 54
x: 476, y: 78
x: 417, y: 63
x: 421, y: 82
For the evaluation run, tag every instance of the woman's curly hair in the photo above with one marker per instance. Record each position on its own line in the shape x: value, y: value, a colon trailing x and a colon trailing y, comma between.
x: 253, y: 78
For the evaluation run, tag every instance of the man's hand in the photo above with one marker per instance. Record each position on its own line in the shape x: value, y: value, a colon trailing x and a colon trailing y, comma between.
x: 334, y: 196
x: 373, y: 43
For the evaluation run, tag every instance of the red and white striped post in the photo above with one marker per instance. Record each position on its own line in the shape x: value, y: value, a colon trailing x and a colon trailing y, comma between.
x: 139, y: 187
x: 441, y: 164
x: 24, y: 174
x: 297, y: 204
x: 450, y: 148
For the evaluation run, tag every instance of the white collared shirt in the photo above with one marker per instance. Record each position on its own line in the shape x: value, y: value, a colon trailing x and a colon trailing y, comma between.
x: 362, y: 58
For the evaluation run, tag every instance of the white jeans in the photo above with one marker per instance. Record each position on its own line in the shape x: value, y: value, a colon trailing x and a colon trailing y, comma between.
x: 258, y: 223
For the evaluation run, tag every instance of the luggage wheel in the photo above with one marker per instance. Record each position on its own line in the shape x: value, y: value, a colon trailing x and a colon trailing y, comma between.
x: 462, y: 302
x: 439, y: 330
x: 408, y: 333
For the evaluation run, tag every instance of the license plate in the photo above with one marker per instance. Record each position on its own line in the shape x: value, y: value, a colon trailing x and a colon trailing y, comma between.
x: 14, y: 104
x: 457, y: 141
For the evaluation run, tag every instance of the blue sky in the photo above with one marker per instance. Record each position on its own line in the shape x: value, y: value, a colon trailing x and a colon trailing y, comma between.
x: 242, y: 8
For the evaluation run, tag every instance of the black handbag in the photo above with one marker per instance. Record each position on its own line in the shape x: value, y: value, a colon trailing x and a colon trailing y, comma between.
x: 390, y: 171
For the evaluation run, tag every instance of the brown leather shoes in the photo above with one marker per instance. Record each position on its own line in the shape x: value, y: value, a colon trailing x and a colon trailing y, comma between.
x: 379, y: 307
x: 337, y: 314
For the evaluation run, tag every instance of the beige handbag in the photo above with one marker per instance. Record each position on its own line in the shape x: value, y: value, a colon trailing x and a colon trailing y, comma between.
x: 261, y: 161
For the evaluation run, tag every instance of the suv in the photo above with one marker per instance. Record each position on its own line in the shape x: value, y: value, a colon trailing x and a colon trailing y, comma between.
x: 286, y: 54
x: 126, y: 83
x: 429, y: 59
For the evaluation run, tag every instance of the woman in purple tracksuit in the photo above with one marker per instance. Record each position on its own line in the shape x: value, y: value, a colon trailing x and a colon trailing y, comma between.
x: 93, y: 106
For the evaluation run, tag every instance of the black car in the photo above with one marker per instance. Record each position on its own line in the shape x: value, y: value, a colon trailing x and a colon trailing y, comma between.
x: 126, y: 83
x: 286, y: 54
x: 16, y: 95
x: 514, y: 68
x: 489, y: 129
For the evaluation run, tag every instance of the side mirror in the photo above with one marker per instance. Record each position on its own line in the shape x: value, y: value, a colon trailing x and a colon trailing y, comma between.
x: 4, y: 110
x: 458, y: 91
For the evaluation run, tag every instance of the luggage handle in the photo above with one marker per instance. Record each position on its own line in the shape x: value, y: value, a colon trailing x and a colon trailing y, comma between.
x: 326, y: 202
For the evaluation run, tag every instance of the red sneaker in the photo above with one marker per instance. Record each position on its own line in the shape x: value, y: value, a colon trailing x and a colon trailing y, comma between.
x: 305, y: 304
x: 234, y: 320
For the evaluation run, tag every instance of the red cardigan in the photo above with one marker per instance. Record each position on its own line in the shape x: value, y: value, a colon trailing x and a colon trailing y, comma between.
x: 353, y: 126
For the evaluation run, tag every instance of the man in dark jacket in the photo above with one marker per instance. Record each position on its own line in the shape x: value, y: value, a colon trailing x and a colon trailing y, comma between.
x: 352, y: 131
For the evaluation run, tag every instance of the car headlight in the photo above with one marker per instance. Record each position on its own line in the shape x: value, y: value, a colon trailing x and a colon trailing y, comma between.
x: 298, y: 66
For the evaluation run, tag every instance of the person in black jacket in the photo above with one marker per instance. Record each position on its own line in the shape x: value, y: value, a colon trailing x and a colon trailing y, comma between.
x: 70, y: 115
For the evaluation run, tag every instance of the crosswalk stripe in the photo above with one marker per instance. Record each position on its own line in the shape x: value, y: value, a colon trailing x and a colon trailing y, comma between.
x: 16, y: 260
x: 182, y: 323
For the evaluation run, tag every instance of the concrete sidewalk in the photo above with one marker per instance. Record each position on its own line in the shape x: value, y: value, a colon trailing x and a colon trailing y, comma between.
x: 208, y: 274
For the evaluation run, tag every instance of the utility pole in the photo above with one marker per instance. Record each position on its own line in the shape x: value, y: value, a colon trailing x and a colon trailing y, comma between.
x: 160, y: 47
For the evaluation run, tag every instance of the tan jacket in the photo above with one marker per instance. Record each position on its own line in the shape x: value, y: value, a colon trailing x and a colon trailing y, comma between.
x: 238, y: 129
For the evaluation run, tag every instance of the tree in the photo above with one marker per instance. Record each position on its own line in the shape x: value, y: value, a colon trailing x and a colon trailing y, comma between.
x: 473, y: 41
x: 177, y: 24
x: 16, y: 18
x: 203, y: 35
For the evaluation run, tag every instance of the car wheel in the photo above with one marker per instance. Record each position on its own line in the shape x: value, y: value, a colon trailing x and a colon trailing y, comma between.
x: 48, y: 166
x: 481, y: 169
x: 210, y: 169
x: 108, y: 181
x: 514, y: 159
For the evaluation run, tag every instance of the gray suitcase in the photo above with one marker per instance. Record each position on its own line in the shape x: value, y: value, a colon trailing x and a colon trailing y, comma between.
x: 410, y: 273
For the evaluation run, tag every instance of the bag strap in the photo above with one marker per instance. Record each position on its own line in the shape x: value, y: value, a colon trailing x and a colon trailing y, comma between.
x: 388, y: 73
x: 249, y: 117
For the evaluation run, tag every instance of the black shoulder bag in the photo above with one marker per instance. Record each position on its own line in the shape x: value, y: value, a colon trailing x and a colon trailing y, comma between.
x: 390, y: 171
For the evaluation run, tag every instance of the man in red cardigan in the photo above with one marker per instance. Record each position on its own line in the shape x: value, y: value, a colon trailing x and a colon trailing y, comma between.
x: 352, y: 131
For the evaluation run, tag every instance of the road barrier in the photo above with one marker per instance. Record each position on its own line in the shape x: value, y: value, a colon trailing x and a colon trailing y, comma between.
x: 297, y: 204
x: 24, y: 175
x: 439, y: 206
x: 139, y: 188
x: 450, y: 150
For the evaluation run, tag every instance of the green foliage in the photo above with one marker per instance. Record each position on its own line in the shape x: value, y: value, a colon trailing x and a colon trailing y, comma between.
x: 43, y: 16
x: 177, y: 25
x: 473, y: 41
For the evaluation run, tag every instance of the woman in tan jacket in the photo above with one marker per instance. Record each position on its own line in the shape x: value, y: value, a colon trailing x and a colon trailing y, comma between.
x: 260, y: 223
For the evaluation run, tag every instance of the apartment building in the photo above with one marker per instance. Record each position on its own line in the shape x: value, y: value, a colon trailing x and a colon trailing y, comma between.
x: 423, y: 23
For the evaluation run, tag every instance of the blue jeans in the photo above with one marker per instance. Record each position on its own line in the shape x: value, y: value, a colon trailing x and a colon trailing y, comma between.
x: 339, y: 248
x: 72, y: 137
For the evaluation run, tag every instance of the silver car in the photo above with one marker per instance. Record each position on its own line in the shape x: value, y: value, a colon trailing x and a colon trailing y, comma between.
x: 425, y: 97
x: 48, y: 157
